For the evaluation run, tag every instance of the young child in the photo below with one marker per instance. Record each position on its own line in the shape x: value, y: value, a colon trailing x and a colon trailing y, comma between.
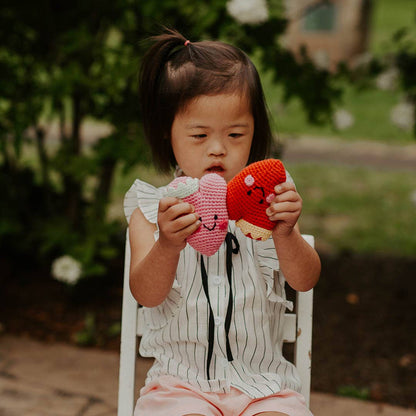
x: 203, y: 112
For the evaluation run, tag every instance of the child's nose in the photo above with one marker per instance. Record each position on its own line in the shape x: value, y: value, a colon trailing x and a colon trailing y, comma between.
x: 217, y: 147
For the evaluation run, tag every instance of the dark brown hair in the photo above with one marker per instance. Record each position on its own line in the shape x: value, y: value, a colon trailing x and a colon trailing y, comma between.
x: 173, y: 73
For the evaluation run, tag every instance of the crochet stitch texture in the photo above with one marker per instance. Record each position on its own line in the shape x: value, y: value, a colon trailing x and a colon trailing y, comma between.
x: 209, y: 200
x: 249, y: 194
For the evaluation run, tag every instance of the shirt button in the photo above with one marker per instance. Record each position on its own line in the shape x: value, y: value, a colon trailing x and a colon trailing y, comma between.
x: 218, y: 321
x: 217, y: 280
x: 224, y: 362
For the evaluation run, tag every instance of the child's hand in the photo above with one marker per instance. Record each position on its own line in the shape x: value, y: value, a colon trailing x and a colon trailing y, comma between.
x: 177, y: 220
x: 285, y: 208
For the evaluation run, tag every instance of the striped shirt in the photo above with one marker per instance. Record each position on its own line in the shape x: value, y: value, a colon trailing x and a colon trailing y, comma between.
x: 176, y: 331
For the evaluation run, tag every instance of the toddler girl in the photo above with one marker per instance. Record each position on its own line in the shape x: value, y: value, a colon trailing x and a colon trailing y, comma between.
x: 203, y: 112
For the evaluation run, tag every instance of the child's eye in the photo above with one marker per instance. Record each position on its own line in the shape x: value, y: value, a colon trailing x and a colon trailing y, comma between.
x: 235, y: 135
x: 199, y: 136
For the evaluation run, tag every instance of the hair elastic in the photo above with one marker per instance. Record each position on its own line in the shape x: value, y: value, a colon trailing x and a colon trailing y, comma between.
x: 187, y: 42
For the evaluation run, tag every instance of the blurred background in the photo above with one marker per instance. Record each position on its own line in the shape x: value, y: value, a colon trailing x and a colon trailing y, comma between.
x: 339, y: 78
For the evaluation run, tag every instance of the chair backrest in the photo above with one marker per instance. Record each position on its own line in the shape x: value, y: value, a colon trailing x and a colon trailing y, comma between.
x: 297, y: 330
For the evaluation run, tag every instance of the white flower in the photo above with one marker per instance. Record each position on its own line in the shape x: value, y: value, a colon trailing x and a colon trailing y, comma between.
x: 413, y: 197
x: 362, y: 61
x: 403, y: 115
x: 387, y: 80
x: 343, y: 119
x: 66, y: 269
x: 248, y: 11
x: 321, y: 59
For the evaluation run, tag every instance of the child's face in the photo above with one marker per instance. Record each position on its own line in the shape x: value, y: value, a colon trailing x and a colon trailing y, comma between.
x: 213, y: 134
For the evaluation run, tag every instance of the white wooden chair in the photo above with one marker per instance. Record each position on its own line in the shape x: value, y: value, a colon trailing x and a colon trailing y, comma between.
x: 297, y: 330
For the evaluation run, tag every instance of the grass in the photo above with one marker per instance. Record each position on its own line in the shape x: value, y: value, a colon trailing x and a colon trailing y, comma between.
x: 346, y: 208
x: 358, y: 209
x: 370, y: 108
x: 388, y: 17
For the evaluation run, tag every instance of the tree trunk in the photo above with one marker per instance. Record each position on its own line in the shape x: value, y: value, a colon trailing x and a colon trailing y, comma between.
x: 72, y: 186
x: 102, y: 194
x: 4, y: 152
x: 42, y: 155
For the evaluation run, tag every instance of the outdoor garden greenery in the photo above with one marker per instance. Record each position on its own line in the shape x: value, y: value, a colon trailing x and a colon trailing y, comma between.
x: 71, y: 62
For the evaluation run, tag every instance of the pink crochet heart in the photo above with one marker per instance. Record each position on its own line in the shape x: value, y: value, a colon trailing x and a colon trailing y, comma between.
x: 209, y: 197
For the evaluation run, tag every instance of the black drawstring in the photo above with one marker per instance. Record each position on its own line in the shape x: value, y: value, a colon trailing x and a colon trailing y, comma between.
x: 211, y: 316
x: 229, y: 240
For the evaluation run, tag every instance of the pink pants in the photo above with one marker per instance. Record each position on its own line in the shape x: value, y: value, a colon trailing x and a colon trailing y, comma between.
x: 171, y: 396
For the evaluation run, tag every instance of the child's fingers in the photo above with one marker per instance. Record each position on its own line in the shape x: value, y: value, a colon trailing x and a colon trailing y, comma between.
x: 183, y: 222
x: 284, y: 187
x: 282, y: 207
x: 288, y: 218
x: 174, y: 207
x: 290, y: 196
x: 181, y: 209
x: 284, y: 211
x: 175, y: 216
x: 167, y: 202
x: 191, y: 228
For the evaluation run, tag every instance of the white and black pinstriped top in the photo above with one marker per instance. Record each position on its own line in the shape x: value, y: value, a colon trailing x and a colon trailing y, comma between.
x: 176, y: 332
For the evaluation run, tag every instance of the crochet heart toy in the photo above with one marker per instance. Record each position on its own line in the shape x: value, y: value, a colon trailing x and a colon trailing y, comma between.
x: 250, y: 193
x: 208, y: 195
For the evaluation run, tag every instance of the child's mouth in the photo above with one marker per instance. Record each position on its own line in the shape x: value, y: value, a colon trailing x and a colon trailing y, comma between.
x: 216, y: 169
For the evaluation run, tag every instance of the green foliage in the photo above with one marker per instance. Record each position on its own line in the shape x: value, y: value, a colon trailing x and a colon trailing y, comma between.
x: 387, y: 18
x: 354, y: 392
x: 405, y: 59
x: 114, y: 330
x: 396, y: 52
x: 68, y: 62
x: 357, y: 209
x: 88, y: 336
x: 92, y: 334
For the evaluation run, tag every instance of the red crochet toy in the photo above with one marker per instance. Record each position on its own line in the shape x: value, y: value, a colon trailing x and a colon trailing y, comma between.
x: 250, y: 193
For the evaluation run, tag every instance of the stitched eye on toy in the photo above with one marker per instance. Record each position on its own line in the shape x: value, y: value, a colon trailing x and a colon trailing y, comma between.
x: 249, y: 180
x: 215, y: 217
x: 249, y: 192
x: 200, y: 219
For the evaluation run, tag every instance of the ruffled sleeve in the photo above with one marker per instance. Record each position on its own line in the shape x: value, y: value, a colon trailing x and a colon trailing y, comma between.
x: 144, y: 196
x: 270, y: 270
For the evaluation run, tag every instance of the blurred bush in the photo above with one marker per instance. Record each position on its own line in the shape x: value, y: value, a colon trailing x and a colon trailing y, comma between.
x: 71, y: 61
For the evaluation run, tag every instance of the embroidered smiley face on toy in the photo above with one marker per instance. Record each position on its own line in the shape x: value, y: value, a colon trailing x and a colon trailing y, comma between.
x: 208, y: 195
x: 250, y: 193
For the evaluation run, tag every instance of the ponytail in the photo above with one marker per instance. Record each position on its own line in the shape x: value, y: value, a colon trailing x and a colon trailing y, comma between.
x: 151, y: 83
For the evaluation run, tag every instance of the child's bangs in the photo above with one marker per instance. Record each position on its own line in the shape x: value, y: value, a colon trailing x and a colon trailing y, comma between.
x: 188, y: 82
